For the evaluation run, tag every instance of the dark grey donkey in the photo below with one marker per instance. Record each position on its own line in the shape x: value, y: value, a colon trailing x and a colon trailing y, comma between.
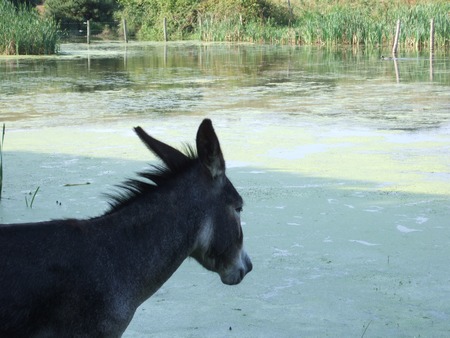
x: 85, y: 278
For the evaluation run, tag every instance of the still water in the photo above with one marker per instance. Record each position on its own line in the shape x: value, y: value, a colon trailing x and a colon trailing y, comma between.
x: 91, y: 84
x: 342, y: 159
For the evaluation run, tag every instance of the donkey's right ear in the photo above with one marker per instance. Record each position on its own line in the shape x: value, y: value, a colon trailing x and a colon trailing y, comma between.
x: 208, y: 149
x: 170, y: 156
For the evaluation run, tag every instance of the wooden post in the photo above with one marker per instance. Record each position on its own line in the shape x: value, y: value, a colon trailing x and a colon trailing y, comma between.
x: 125, y: 33
x: 431, y: 36
x: 397, y: 35
x: 291, y: 12
x: 88, y: 31
x: 431, y: 48
x: 165, y: 29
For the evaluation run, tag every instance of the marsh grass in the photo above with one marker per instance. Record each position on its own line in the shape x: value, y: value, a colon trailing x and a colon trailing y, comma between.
x: 366, y: 23
x: 30, y: 203
x: 23, y: 31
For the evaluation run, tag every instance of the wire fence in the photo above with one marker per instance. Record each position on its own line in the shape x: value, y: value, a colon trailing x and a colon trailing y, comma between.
x: 87, y: 31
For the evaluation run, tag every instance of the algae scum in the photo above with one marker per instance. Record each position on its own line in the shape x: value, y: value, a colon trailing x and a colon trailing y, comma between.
x: 341, y: 159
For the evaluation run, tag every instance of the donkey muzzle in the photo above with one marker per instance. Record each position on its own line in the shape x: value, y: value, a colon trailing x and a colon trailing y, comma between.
x: 236, y: 272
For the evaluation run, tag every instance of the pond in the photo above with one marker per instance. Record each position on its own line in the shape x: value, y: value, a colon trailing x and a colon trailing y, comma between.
x: 341, y: 157
x: 117, y: 81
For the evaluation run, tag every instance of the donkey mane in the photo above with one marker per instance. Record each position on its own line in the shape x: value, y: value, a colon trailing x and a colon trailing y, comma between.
x: 155, y: 177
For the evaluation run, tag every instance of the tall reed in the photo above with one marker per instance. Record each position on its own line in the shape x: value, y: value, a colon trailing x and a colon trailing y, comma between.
x: 368, y: 23
x: 23, y: 31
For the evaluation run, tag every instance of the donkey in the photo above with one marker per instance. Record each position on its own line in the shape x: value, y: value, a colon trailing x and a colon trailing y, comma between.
x: 85, y: 278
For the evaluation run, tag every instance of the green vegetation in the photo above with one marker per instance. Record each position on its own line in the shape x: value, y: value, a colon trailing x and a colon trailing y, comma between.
x: 368, y: 22
x: 30, y: 203
x: 80, y: 10
x: 72, y: 15
x: 374, y: 24
x: 24, y: 31
x: 324, y: 22
x: 26, y: 2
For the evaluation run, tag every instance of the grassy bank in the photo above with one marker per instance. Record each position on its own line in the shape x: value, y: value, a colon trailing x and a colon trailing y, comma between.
x: 23, y: 31
x: 369, y: 22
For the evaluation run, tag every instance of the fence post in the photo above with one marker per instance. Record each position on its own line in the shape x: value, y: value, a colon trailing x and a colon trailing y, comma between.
x: 125, y: 33
x: 432, y: 36
x: 88, y: 31
x: 431, y: 48
x: 397, y: 35
x: 165, y: 28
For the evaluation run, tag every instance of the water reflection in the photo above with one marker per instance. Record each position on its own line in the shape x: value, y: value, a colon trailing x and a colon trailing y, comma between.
x: 118, y: 80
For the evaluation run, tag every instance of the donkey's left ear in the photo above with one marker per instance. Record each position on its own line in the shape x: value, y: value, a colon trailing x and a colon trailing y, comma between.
x: 208, y: 149
x: 170, y: 156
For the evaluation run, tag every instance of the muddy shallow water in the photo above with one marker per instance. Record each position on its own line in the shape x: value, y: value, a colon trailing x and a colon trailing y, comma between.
x: 343, y: 165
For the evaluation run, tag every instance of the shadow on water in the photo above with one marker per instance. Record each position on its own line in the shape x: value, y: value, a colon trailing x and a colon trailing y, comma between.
x: 330, y: 255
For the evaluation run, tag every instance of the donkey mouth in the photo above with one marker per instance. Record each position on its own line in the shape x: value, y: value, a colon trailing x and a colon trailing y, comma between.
x: 236, y: 274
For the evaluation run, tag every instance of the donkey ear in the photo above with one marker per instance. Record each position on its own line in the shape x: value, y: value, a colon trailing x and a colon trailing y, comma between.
x: 208, y: 149
x: 170, y: 156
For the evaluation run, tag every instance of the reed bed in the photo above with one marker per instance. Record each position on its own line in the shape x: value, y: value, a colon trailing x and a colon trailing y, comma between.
x: 340, y: 24
x: 23, y: 31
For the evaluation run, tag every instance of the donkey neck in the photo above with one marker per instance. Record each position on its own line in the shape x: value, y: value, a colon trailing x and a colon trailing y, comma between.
x: 155, y: 234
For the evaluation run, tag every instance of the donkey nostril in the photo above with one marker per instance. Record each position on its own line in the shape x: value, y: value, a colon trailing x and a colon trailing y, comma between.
x: 249, y: 266
x: 241, y: 273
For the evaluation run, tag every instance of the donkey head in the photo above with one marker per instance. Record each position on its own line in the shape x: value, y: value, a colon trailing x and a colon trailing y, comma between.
x: 220, y: 242
x: 218, y: 245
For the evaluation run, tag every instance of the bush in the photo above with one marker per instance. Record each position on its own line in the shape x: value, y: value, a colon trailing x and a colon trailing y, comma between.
x: 145, y: 17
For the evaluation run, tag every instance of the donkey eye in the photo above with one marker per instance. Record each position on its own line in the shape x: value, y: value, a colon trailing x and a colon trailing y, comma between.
x: 240, y: 209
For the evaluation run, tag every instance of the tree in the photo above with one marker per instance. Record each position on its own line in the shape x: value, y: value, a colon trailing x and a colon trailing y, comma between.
x: 18, y: 3
x: 79, y: 10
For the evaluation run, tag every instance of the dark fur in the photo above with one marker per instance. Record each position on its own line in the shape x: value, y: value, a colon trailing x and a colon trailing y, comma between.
x: 155, y: 177
x: 85, y: 278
